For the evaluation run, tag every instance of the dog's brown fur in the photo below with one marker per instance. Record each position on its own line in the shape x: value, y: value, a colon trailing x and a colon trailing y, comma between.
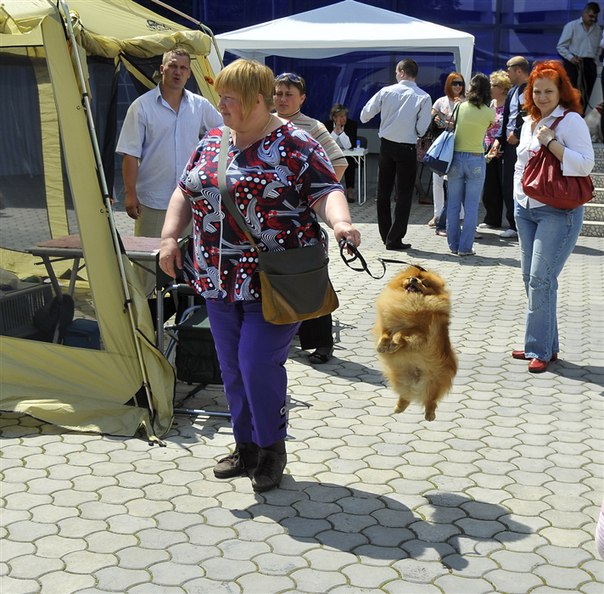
x: 412, y: 330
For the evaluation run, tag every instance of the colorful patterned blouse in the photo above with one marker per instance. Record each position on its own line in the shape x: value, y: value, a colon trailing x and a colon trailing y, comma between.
x: 275, y: 182
x: 493, y: 129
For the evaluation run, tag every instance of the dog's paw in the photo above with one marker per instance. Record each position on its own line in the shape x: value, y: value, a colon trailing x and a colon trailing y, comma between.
x: 430, y: 415
x: 401, y: 405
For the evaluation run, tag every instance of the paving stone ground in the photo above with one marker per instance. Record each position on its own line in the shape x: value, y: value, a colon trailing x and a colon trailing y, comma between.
x: 500, y: 494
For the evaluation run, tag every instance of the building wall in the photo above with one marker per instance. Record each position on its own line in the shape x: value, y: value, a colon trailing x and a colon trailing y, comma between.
x: 502, y: 28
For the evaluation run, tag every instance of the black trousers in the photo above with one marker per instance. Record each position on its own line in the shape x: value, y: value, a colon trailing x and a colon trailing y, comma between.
x: 507, y: 185
x: 492, y: 193
x: 602, y: 112
x: 350, y: 173
x: 586, y: 85
x: 397, y: 162
x: 316, y: 333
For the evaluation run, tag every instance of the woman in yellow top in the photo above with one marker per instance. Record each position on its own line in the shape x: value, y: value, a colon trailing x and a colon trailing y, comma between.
x: 467, y: 172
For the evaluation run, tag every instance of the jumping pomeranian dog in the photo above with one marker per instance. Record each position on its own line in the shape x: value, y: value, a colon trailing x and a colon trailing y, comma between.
x: 412, y: 330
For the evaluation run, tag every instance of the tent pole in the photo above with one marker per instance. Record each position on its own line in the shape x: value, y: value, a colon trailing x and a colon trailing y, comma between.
x: 202, y: 27
x: 107, y: 200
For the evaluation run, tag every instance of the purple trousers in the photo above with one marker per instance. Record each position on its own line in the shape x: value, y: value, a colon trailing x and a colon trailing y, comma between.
x: 252, y: 355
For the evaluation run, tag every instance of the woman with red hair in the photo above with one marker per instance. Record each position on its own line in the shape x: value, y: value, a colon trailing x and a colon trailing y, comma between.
x: 548, y: 235
x: 442, y: 117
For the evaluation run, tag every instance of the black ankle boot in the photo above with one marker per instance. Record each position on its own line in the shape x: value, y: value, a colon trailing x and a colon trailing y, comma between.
x: 271, y: 464
x: 242, y: 461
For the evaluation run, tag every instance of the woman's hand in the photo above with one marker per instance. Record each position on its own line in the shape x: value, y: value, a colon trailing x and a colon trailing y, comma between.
x: 545, y: 134
x: 347, y: 231
x: 170, y: 257
x: 494, y: 152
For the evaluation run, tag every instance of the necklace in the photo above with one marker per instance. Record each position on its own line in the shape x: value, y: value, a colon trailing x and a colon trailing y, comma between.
x: 256, y: 137
x: 289, y: 116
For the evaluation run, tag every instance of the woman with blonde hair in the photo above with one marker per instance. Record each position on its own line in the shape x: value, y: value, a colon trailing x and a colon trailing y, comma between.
x: 548, y: 235
x: 492, y: 195
x: 281, y: 181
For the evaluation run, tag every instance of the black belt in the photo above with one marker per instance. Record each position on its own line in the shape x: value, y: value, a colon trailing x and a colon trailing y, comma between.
x: 401, y: 143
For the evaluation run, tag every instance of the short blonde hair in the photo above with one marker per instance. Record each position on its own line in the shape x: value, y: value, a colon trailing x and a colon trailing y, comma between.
x: 247, y: 78
x: 501, y: 79
x: 177, y: 50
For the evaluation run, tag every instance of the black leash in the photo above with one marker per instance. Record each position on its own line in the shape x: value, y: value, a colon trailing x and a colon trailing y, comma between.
x: 350, y: 253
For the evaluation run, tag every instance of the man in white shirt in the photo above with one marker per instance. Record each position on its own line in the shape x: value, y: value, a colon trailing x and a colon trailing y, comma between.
x: 405, y: 112
x: 160, y: 131
x: 579, y: 47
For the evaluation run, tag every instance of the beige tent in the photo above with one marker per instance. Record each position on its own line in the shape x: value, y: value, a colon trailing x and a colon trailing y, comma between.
x: 128, y: 385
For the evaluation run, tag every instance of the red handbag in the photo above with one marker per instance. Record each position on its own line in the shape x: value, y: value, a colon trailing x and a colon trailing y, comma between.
x: 543, y: 181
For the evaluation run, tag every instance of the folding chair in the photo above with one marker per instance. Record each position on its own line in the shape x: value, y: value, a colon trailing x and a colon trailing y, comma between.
x: 190, y: 348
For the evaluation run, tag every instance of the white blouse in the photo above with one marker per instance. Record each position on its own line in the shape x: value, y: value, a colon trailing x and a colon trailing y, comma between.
x: 572, y: 132
x: 342, y: 140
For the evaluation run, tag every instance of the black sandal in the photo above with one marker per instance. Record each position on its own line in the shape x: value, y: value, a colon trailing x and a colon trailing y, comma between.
x: 321, y: 355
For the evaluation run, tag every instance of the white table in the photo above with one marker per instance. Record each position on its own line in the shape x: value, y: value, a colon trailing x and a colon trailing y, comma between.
x: 359, y: 155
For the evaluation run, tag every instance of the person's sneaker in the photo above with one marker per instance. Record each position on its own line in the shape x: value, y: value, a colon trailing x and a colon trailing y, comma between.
x: 242, y: 461
x: 462, y: 254
x: 508, y: 234
x: 441, y: 232
x: 271, y: 464
x: 486, y: 226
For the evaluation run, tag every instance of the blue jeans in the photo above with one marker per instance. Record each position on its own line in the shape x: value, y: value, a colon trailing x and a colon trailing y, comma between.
x: 464, y: 186
x: 547, y: 237
x: 252, y: 355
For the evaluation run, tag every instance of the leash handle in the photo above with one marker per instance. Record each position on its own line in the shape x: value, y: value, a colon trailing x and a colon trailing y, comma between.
x: 354, y: 254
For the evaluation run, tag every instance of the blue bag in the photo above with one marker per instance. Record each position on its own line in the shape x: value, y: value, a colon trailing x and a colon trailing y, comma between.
x: 83, y: 333
x: 439, y: 156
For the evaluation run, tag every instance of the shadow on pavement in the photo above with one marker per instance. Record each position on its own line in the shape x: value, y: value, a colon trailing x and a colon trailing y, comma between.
x: 380, y: 527
x: 582, y: 373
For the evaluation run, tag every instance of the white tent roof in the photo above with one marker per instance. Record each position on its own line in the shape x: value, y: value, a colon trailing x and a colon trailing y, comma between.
x: 344, y: 27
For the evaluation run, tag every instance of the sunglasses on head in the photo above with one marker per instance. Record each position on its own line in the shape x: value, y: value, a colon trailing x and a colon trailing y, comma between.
x: 290, y: 77
x: 457, y: 83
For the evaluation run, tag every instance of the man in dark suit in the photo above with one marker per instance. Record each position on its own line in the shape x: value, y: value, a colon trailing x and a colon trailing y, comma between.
x: 344, y: 132
x: 509, y: 135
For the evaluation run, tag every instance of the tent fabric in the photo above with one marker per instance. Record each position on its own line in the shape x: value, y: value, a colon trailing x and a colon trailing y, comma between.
x: 107, y: 390
x: 344, y: 27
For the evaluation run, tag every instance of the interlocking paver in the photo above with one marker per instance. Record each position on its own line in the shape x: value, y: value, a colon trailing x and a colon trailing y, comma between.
x: 29, y: 531
x: 118, y: 579
x: 401, y: 587
x: 168, y: 573
x: 311, y: 580
x: 29, y: 566
x: 16, y: 586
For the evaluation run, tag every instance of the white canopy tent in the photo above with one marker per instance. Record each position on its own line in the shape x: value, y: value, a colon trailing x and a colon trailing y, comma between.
x: 344, y: 27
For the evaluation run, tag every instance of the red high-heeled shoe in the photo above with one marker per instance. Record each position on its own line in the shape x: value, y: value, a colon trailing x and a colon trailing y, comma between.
x: 521, y: 355
x: 537, y: 366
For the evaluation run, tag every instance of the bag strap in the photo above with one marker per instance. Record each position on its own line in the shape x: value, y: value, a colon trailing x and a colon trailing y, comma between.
x: 454, y: 118
x: 224, y: 192
x: 558, y: 120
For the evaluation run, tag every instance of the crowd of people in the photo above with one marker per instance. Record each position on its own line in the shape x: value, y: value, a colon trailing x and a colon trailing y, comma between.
x: 284, y: 173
